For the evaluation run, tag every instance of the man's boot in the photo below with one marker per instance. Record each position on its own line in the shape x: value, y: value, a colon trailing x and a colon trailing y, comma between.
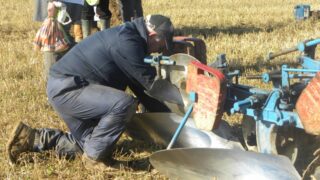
x: 86, y: 28
x: 21, y: 140
x: 104, y: 24
x: 77, y: 33
x: 94, y: 27
x: 109, y: 165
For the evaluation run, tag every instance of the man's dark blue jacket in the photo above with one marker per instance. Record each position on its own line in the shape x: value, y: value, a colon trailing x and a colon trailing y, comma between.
x: 113, y: 57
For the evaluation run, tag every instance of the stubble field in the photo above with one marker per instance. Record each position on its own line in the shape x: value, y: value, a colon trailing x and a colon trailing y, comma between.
x: 245, y: 30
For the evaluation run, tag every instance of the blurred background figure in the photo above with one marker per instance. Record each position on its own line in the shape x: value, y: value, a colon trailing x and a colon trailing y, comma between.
x: 92, y: 8
x: 40, y: 10
x: 130, y: 9
x: 74, y: 11
x: 46, y: 8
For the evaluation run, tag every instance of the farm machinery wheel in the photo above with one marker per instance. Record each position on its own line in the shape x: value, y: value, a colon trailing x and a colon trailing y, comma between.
x: 249, y: 133
x: 288, y: 141
x: 256, y: 134
x: 313, y: 169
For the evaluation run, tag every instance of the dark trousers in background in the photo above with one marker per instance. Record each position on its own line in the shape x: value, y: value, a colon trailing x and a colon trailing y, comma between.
x: 95, y: 114
x: 74, y: 11
x: 49, y: 59
x: 102, y: 10
x: 130, y: 9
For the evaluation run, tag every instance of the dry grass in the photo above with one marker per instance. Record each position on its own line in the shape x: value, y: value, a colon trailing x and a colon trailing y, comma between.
x: 245, y: 30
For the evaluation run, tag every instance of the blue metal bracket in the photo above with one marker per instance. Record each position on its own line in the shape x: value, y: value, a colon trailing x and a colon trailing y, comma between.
x: 285, y: 83
x: 309, y: 63
x: 303, y: 45
x: 159, y: 60
x: 271, y: 113
x: 193, y: 99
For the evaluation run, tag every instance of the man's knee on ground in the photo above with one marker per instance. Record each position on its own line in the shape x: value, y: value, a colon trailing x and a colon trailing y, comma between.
x: 128, y: 105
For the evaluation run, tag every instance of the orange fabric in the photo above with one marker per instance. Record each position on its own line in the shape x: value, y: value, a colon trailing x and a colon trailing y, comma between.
x: 51, y: 37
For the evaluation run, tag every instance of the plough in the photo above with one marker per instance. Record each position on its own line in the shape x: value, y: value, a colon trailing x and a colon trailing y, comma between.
x: 284, y: 120
x: 287, y: 116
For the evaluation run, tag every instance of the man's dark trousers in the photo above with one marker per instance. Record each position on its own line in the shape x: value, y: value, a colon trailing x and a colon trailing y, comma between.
x: 95, y: 114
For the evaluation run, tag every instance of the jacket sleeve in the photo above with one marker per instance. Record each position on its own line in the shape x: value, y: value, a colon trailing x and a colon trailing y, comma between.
x: 131, y: 51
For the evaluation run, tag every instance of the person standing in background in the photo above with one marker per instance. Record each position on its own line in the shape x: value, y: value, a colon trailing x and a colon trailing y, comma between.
x: 46, y: 8
x: 91, y: 9
x: 130, y: 9
x: 74, y: 11
x: 40, y: 10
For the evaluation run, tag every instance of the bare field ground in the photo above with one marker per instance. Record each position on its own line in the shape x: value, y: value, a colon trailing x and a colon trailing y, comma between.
x: 245, y: 30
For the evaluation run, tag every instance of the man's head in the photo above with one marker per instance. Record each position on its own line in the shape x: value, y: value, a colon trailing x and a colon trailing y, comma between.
x: 160, y: 33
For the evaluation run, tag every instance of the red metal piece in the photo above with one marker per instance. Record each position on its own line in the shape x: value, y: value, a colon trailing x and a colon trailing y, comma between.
x: 189, y: 45
x: 210, y: 86
x: 308, y: 106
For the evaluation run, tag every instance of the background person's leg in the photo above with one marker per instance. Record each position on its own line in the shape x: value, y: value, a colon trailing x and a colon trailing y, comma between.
x: 49, y: 59
x: 74, y: 11
x: 126, y: 9
x: 138, y: 10
x: 77, y: 31
x: 104, y: 14
x: 87, y: 14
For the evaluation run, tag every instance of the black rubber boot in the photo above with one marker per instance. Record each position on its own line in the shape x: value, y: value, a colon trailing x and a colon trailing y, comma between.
x: 86, y: 28
x: 104, y: 24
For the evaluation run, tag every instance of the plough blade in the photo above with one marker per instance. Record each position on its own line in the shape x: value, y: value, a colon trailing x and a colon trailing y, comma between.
x: 160, y: 127
x: 208, y: 163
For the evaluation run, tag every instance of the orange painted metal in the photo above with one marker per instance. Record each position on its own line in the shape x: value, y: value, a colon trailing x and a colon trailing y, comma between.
x: 210, y: 86
x: 308, y: 106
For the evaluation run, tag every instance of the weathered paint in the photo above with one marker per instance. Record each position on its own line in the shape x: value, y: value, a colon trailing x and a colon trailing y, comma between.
x: 210, y: 86
x: 308, y: 106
